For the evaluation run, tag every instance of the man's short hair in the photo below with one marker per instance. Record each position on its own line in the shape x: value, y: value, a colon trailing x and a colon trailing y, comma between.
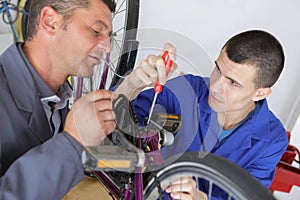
x: 64, y: 7
x: 261, y: 50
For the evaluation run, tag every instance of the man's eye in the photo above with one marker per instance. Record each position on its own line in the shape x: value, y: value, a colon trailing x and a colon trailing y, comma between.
x: 234, y: 83
x: 95, y: 32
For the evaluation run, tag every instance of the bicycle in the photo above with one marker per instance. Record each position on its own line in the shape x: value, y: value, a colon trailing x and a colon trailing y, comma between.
x: 134, y: 168
x: 5, y: 8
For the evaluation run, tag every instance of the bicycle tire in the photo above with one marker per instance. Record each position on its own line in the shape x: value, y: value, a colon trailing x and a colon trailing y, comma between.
x: 129, y: 47
x: 232, y: 179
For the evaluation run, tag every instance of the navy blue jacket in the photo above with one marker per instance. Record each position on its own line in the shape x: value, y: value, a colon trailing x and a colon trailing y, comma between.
x: 256, y: 145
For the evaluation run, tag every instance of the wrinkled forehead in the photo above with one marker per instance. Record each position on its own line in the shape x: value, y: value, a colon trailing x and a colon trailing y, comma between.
x: 244, y: 74
x: 98, y: 13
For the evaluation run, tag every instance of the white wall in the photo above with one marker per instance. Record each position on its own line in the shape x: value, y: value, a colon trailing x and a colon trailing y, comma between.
x: 6, y: 39
x: 209, y: 23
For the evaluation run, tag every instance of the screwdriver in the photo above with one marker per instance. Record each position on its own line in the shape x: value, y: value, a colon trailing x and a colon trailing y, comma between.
x: 158, y: 87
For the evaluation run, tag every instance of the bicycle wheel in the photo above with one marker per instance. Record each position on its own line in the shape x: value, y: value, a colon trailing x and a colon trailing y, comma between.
x: 112, y: 66
x: 129, y: 44
x: 219, y: 174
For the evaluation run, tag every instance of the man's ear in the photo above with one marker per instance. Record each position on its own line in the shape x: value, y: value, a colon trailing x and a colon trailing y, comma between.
x: 50, y: 20
x: 262, y: 93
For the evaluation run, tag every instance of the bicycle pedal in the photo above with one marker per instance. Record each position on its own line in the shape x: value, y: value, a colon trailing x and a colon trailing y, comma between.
x: 109, y: 158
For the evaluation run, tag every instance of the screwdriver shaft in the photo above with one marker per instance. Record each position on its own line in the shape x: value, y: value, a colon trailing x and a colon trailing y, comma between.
x: 152, y: 107
x: 158, y: 87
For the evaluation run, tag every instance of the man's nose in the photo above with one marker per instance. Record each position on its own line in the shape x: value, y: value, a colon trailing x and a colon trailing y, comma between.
x: 105, y: 44
x: 218, y: 85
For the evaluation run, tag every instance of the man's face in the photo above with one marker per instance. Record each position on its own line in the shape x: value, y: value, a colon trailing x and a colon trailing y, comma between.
x: 231, y: 87
x: 81, y: 43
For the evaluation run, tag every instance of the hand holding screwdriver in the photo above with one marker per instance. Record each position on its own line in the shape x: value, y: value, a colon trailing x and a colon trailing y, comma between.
x: 158, y: 87
x: 148, y: 72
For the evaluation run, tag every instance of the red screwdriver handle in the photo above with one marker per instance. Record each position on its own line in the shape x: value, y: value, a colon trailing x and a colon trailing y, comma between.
x: 168, y: 63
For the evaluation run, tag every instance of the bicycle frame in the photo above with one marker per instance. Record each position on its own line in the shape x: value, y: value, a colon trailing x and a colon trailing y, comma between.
x: 5, y: 8
x: 140, y: 149
x: 132, y: 185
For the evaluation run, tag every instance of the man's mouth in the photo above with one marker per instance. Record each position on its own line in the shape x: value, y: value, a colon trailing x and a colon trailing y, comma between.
x: 95, y: 58
x: 215, y: 99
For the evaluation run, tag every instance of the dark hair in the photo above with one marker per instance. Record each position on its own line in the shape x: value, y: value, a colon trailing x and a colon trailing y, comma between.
x: 260, y: 49
x: 63, y: 7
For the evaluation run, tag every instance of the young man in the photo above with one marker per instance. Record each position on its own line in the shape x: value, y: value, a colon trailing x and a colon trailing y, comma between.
x: 41, y: 140
x: 228, y: 113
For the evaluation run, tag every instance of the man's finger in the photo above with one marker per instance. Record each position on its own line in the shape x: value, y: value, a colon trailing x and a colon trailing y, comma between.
x: 99, y: 95
x: 161, y: 69
x: 171, y: 49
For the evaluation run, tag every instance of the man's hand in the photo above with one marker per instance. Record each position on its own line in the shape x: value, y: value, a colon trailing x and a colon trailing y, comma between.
x: 91, y: 118
x: 149, y: 71
x: 185, y: 188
